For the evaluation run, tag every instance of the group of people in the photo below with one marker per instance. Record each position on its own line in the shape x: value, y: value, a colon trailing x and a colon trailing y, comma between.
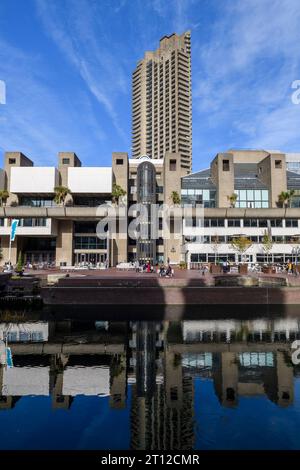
x: 291, y: 268
x: 162, y: 269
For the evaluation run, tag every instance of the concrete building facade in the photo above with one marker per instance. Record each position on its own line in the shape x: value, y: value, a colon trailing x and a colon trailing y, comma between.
x: 240, y: 193
x: 65, y: 234
x: 161, y: 101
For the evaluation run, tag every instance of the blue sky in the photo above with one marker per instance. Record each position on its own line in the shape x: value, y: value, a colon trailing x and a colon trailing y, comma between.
x: 67, y: 66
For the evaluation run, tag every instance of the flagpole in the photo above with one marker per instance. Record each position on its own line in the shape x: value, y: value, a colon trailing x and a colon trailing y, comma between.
x: 9, y: 251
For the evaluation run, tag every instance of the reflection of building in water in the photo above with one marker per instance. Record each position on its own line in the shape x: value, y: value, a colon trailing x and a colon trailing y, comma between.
x: 162, y: 406
x: 64, y: 360
x: 249, y: 367
x: 22, y: 332
x: 160, y: 362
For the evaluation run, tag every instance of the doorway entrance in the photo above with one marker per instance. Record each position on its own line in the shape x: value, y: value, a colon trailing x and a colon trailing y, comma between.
x: 90, y: 259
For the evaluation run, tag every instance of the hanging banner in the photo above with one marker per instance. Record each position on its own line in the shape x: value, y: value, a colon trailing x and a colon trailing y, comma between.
x: 14, y: 225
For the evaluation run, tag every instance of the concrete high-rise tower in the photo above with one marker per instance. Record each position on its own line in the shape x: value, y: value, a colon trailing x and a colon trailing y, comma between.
x: 161, y: 101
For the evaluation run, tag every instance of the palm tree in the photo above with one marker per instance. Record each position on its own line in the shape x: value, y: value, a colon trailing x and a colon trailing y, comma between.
x: 175, y: 198
x: 117, y: 192
x: 61, y: 193
x: 285, y: 197
x: 4, y: 195
x: 232, y: 199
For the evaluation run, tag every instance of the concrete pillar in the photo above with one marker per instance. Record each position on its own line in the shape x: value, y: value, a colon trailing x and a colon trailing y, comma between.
x: 119, y: 245
x: 272, y: 172
x: 117, y: 397
x: 222, y: 175
x: 285, y: 381
x: 172, y: 182
x: 5, y: 250
x: 64, y: 242
x: 59, y: 401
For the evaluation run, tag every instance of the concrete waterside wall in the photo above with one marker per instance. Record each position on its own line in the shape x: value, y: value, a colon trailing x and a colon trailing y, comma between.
x: 169, y: 295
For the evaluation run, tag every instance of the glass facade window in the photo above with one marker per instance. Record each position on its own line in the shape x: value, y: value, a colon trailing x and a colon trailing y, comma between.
x: 88, y: 201
x: 295, y: 201
x: 33, y: 222
x: 89, y: 243
x: 146, y: 195
x: 214, y: 222
x: 293, y: 223
x: 276, y: 222
x: 207, y: 197
x: 262, y: 223
x: 37, y: 201
x: 217, y: 239
x: 252, y: 198
x: 233, y: 223
x: 250, y: 223
x: 293, y: 166
x: 1, y: 222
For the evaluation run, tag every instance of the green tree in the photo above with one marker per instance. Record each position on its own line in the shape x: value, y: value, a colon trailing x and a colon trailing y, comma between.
x: 241, y: 244
x: 285, y: 198
x: 267, y: 244
x: 19, y: 265
x: 4, y: 195
x: 117, y: 192
x: 175, y: 198
x: 215, y: 240
x: 232, y: 199
x: 61, y: 193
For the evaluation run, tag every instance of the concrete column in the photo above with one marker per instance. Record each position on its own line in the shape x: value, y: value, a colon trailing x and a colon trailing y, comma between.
x: 117, y: 398
x: 64, y: 242
x: 119, y: 246
x: 172, y: 182
x: 222, y: 174
x: 285, y: 381
x: 5, y: 250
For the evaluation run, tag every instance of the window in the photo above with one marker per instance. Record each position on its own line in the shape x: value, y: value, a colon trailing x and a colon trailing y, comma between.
x: 278, y: 164
x: 262, y: 223
x: 66, y: 161
x: 119, y: 161
x: 226, y: 165
x: 252, y: 198
x: 213, y: 222
x: 250, y: 223
x: 276, y: 222
x: 172, y: 165
x: 12, y: 161
x: 234, y: 223
x: 89, y: 243
x: 291, y: 223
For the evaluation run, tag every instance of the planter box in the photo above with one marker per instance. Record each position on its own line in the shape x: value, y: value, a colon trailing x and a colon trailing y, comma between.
x: 268, y: 270
x: 243, y: 268
x: 215, y: 268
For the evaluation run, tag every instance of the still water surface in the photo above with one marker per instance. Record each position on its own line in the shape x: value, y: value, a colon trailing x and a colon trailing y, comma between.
x: 202, y: 384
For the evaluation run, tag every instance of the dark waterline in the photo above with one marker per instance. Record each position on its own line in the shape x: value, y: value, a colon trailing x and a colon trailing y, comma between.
x: 83, y: 380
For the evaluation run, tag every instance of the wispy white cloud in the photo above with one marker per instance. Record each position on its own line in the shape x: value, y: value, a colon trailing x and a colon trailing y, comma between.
x: 34, y: 120
x: 242, y: 75
x: 74, y: 33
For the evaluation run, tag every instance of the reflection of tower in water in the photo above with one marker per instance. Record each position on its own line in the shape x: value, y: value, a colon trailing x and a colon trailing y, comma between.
x: 162, y: 399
